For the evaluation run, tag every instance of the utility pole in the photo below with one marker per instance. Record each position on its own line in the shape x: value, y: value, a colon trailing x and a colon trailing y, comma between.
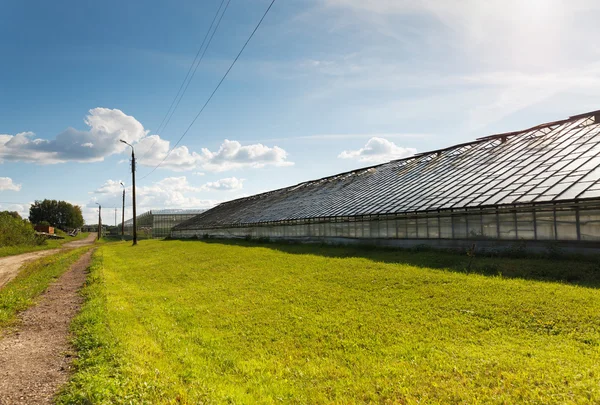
x: 133, y: 181
x: 115, y: 217
x: 99, y: 221
x: 123, y: 214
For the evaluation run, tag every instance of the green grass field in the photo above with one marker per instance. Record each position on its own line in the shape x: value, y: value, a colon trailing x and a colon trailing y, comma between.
x: 33, y: 279
x: 50, y: 244
x: 196, y: 322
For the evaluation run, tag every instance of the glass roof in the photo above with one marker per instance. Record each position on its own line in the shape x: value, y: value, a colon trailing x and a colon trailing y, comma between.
x: 551, y: 162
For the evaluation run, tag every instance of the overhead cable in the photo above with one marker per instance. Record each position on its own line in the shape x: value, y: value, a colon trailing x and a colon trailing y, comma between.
x: 214, y: 91
x: 190, y: 74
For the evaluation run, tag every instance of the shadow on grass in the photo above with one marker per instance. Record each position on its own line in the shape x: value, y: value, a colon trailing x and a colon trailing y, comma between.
x: 582, y: 271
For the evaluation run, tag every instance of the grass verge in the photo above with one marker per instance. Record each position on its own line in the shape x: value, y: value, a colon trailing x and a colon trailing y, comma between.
x: 98, y: 375
x: 195, y: 322
x: 50, y: 244
x: 21, y: 292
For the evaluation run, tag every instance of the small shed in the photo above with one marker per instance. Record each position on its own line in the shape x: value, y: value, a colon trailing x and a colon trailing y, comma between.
x: 45, y: 229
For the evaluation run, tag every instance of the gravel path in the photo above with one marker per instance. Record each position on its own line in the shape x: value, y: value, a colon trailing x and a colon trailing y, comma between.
x: 35, y: 359
x: 10, y: 265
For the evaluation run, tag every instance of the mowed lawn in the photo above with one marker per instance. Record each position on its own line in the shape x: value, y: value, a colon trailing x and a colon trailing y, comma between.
x: 197, y: 322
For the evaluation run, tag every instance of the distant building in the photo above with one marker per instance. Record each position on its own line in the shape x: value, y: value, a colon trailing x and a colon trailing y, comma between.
x: 538, y: 185
x: 91, y: 228
x: 158, y: 223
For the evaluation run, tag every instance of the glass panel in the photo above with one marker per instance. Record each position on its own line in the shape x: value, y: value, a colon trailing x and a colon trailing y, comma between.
x: 507, y: 226
x: 525, y: 225
x: 460, y: 226
x: 474, y: 226
x: 335, y: 229
x: 411, y: 225
x: 433, y: 227
x: 589, y: 223
x: 489, y: 229
x: 327, y: 229
x: 566, y: 227
x: 373, y: 228
x: 401, y: 228
x: 544, y: 221
x: 358, y: 230
x: 352, y: 229
x: 382, y: 228
x: 422, y: 227
x: 366, y: 229
x: 446, y: 227
x: 391, y: 228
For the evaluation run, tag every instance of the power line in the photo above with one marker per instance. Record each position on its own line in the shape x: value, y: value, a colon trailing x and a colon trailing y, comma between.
x: 214, y: 91
x: 161, y: 127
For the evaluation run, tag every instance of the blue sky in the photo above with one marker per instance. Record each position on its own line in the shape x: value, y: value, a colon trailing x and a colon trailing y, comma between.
x: 325, y: 86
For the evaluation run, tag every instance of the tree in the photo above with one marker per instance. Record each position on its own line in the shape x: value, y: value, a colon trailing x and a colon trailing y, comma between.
x: 59, y: 214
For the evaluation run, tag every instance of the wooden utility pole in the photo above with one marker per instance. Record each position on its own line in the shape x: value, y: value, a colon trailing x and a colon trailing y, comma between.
x: 99, y: 221
x: 133, y: 181
x: 133, y: 177
x: 123, y: 214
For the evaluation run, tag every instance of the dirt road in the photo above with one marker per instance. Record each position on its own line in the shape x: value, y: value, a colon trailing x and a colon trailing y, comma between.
x: 35, y: 359
x: 9, y: 266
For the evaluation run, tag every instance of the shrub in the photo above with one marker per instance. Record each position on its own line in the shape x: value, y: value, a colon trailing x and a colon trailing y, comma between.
x: 554, y: 251
x: 17, y: 231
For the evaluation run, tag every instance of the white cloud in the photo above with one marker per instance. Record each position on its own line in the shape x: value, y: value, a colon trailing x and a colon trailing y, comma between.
x: 228, y: 184
x: 378, y: 150
x: 232, y: 155
x: 106, y: 127
x: 110, y: 187
x: 170, y: 192
x: 152, y: 150
x: 6, y: 183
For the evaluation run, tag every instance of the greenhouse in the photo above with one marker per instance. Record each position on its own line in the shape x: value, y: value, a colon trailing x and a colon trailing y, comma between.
x: 539, y: 185
x: 158, y: 223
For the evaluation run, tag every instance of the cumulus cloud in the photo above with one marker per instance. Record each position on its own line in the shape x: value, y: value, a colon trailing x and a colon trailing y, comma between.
x: 232, y: 155
x: 109, y: 187
x: 6, y: 183
x: 171, y: 192
x: 106, y: 127
x: 378, y: 150
x: 152, y: 150
x: 228, y: 184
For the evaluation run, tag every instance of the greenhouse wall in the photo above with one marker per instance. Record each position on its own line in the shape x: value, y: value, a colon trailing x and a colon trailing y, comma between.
x: 158, y: 223
x: 577, y: 225
x: 162, y: 224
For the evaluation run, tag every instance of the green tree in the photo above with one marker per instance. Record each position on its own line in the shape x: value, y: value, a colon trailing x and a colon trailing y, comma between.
x: 59, y: 214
